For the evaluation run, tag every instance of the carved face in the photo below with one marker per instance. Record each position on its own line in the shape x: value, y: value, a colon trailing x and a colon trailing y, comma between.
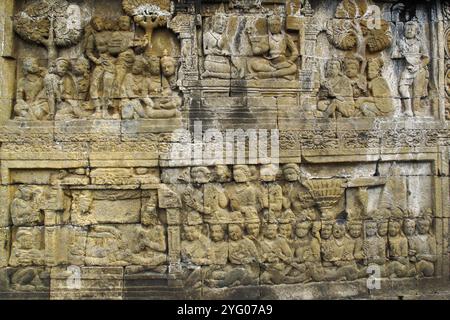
x: 411, y: 30
x: 326, y: 230
x: 285, y: 230
x: 191, y: 233
x: 275, y: 25
x: 302, y: 229
x: 290, y: 174
x: 351, y: 68
x: 338, y: 230
x: 394, y: 228
x: 62, y: 67
x: 240, y: 175
x: 354, y: 230
x: 423, y: 226
x: 30, y: 66
x: 80, y: 67
x: 371, y: 229
x: 125, y: 23
x: 26, y: 194
x: 223, y: 173
x: 25, y: 241
x: 235, y: 232
x: 138, y: 67
x: 333, y: 69
x: 155, y: 66
x: 253, y: 229
x: 383, y: 229
x: 98, y: 24
x: 409, y: 227
x: 271, y: 231
x: 373, y: 70
x: 199, y: 175
x: 217, y: 233
x: 219, y: 24
x: 168, y: 67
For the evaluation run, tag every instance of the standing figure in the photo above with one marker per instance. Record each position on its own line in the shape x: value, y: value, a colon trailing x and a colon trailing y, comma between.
x: 103, y: 76
x: 296, y: 197
x: 413, y: 84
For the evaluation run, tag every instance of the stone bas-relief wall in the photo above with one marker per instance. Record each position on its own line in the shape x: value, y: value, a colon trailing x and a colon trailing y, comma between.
x: 94, y: 205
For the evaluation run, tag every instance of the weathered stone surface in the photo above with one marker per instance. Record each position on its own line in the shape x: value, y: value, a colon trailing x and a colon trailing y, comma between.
x: 240, y: 149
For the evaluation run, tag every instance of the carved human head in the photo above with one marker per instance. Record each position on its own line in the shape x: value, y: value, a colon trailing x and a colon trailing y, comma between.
x: 302, y: 228
x: 411, y: 29
x: 394, y: 228
x: 62, y: 66
x: 219, y: 23
x: 374, y: 67
x: 24, y: 193
x: 352, y: 67
x: 191, y: 232
x: 80, y: 66
x: 326, y: 230
x: 383, y: 228
x: 424, y: 225
x: 98, y: 23
x: 268, y: 172
x: 409, y: 227
x: 241, y: 173
x: 25, y: 239
x: 168, y: 65
x: 223, y: 173
x: 253, y: 229
x: 285, y: 230
x: 275, y: 23
x: 124, y: 23
x: 217, y: 232
x: 200, y: 175
x: 355, y: 229
x: 155, y: 65
x: 339, y: 229
x: 235, y: 231
x: 270, y: 230
x: 128, y: 55
x: 371, y: 228
x: 30, y: 65
x: 291, y: 172
x: 333, y: 68
x: 138, y: 66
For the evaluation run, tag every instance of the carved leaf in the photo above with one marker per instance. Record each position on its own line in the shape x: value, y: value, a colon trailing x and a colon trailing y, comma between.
x: 146, y: 7
x: 33, y: 24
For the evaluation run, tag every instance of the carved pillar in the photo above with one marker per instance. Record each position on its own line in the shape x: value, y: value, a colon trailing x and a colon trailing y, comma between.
x: 7, y: 62
x: 438, y: 56
x: 170, y: 201
x: 185, y: 26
